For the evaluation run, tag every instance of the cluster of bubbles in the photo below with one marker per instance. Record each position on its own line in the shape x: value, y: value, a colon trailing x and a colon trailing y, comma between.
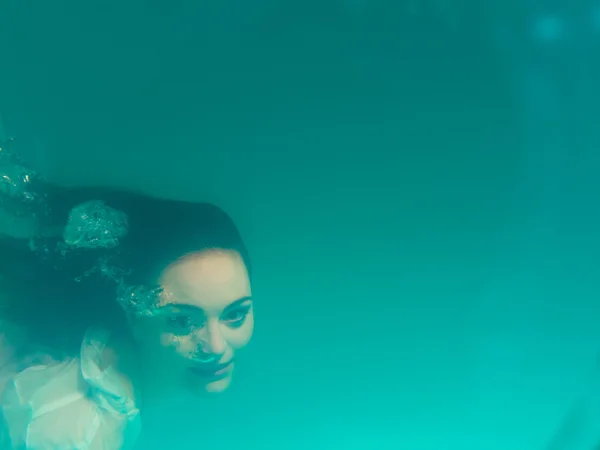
x: 19, y: 184
x: 139, y: 301
x: 94, y: 225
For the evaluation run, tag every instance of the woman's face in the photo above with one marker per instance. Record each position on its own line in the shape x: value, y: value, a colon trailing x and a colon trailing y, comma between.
x: 205, y: 317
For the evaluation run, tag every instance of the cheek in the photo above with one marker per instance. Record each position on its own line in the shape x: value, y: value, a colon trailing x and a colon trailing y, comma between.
x: 240, y: 337
x: 181, y: 345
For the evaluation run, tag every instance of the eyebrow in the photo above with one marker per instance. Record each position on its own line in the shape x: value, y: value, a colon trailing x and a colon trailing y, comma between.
x: 191, y: 308
x: 239, y: 301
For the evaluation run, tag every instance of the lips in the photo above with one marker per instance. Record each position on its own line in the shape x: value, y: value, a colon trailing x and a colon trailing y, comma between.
x: 213, y: 370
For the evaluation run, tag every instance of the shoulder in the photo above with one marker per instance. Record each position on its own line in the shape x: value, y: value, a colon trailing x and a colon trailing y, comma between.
x: 109, y: 364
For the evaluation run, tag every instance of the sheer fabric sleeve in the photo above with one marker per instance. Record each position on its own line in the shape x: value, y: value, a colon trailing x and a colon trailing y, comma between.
x: 77, y: 404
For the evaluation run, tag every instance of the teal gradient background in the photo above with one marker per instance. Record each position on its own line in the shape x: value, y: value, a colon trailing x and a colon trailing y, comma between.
x: 419, y: 194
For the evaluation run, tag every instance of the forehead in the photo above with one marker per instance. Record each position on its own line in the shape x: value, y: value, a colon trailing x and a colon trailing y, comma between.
x: 210, y: 280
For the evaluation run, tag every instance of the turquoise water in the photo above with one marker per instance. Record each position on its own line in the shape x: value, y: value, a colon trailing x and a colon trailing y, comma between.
x: 418, y: 190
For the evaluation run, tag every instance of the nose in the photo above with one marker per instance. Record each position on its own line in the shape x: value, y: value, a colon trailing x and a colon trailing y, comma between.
x: 213, y: 339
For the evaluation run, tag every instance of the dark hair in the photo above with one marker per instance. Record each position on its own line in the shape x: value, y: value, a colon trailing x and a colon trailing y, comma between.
x: 41, y: 292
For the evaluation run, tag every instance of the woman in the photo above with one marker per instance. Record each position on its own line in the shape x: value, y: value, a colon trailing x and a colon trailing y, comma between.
x: 118, y: 295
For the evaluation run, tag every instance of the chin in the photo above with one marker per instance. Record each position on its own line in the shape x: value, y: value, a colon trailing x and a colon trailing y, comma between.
x: 218, y: 386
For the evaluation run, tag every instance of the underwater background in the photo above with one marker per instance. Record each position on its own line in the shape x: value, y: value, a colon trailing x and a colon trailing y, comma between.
x: 417, y: 182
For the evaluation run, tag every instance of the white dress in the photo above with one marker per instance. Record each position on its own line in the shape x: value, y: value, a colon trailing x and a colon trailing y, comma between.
x: 65, y: 405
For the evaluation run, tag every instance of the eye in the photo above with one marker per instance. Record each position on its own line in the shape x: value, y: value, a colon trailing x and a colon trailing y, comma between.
x: 236, y: 317
x: 183, y: 323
